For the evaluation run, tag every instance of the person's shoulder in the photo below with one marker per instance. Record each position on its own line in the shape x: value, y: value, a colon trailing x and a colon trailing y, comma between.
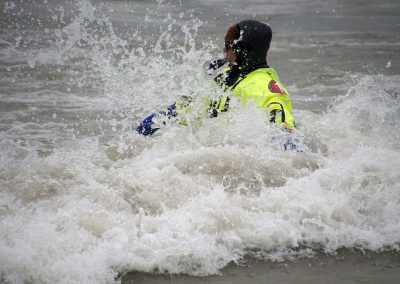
x: 272, y: 74
x: 262, y: 73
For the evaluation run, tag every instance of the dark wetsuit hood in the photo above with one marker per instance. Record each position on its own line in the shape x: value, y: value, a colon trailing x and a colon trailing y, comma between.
x: 251, y: 45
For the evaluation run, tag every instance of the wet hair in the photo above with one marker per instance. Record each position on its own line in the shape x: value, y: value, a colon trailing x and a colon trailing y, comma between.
x: 232, y: 34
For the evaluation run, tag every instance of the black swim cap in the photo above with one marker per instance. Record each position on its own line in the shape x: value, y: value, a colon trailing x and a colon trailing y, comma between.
x: 250, y: 40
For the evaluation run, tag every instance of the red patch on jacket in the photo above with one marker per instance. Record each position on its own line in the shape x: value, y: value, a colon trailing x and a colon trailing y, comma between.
x: 274, y: 88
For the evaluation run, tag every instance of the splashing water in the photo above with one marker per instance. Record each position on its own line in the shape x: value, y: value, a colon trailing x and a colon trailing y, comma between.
x: 83, y: 197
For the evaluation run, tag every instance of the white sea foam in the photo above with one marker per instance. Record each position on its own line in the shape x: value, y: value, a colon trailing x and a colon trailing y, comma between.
x: 192, y: 198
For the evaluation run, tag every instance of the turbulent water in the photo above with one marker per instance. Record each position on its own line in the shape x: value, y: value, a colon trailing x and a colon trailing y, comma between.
x: 84, y: 198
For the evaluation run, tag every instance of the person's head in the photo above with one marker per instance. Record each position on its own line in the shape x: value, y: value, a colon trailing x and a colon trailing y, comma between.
x: 247, y: 44
x: 231, y: 35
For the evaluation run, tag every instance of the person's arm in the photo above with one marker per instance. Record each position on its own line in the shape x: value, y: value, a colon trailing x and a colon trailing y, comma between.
x: 222, y: 103
x: 148, y: 126
x: 219, y: 105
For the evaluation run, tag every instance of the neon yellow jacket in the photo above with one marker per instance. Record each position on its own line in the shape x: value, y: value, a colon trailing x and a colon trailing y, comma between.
x: 263, y: 87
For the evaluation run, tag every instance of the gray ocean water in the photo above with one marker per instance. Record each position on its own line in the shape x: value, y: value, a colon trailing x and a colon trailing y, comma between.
x: 83, y: 197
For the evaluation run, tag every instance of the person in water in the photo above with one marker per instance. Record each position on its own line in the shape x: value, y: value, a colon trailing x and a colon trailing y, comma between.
x: 248, y: 77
